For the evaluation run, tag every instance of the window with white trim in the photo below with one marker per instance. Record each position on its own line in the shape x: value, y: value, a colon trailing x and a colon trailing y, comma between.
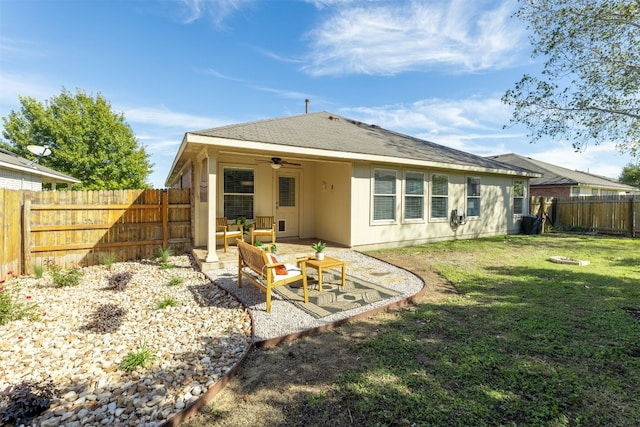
x: 519, y: 190
x: 473, y: 196
x: 439, y: 196
x: 413, y: 195
x: 384, y: 195
x: 238, y: 193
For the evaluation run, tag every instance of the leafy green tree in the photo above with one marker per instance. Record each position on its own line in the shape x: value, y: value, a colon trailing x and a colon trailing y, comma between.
x: 87, y: 140
x: 630, y: 175
x: 588, y: 89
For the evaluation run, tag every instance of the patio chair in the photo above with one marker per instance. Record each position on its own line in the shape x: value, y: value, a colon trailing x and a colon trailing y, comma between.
x: 266, y: 272
x: 223, y: 232
x: 263, y: 226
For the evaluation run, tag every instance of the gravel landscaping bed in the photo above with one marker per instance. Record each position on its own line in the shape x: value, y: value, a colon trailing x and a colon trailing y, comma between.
x: 85, y: 332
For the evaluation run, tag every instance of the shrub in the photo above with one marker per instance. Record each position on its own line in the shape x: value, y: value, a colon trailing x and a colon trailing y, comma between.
x: 108, y: 259
x: 38, y: 271
x: 167, y: 302
x: 106, y: 318
x: 175, y: 281
x: 119, y: 281
x: 164, y: 255
x: 142, y: 357
x: 166, y: 266
x: 65, y: 277
x: 12, y: 309
x: 24, y: 401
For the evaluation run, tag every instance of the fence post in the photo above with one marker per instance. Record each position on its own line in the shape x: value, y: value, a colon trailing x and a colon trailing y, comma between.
x: 631, y: 216
x: 165, y: 219
x: 25, y: 247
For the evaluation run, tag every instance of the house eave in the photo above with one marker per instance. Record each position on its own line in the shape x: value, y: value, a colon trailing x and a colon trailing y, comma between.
x: 194, y: 142
x: 33, y: 170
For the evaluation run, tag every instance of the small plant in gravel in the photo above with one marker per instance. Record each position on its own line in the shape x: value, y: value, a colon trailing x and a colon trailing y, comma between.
x: 119, y: 281
x: 164, y: 255
x: 106, y: 318
x: 20, y: 403
x: 11, y: 307
x: 175, y: 281
x: 38, y: 271
x: 142, y: 357
x: 166, y: 266
x: 108, y: 259
x: 167, y: 302
x: 65, y: 277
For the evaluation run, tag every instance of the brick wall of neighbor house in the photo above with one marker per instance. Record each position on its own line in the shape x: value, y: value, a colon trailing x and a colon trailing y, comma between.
x: 18, y: 181
x: 555, y: 191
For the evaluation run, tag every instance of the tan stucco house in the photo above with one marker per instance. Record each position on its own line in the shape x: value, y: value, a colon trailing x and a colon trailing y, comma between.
x: 332, y: 178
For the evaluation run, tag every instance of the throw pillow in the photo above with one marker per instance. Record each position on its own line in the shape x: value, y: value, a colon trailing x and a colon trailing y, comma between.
x: 273, y: 259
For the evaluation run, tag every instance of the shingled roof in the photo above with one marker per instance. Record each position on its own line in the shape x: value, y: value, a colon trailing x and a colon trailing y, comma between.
x: 334, y: 136
x: 9, y: 160
x: 328, y: 131
x: 553, y: 175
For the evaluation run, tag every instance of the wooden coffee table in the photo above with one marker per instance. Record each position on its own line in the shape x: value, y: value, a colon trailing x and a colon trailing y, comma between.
x: 326, y: 264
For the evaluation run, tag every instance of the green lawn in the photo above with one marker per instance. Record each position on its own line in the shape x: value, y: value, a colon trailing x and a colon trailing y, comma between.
x: 526, y: 341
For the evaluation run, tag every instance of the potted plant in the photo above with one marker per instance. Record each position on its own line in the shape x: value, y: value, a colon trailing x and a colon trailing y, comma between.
x: 242, y: 222
x: 319, y: 247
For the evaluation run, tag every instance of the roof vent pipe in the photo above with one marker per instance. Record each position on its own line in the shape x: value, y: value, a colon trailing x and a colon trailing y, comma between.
x: 306, y: 106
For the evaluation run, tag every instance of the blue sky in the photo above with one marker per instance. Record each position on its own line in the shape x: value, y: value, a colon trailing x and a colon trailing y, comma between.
x: 431, y: 69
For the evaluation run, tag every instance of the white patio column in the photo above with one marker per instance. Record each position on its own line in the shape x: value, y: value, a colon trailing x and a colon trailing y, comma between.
x: 212, y: 256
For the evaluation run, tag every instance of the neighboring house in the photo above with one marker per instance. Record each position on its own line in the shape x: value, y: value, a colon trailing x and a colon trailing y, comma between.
x: 557, y: 181
x: 18, y: 173
x: 328, y: 177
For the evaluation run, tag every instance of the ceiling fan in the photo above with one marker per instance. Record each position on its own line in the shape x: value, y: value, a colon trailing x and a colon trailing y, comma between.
x: 277, y: 162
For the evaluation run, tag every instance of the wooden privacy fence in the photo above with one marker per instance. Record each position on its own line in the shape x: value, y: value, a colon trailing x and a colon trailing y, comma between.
x: 81, y: 227
x: 10, y: 232
x: 600, y: 214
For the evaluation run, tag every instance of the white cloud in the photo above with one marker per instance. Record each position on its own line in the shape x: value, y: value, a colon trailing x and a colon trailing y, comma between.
x: 438, y: 116
x: 602, y: 159
x: 391, y: 37
x: 217, y: 74
x: 168, y: 118
x: 14, y: 86
x: 287, y: 94
x: 474, y: 125
x: 215, y: 10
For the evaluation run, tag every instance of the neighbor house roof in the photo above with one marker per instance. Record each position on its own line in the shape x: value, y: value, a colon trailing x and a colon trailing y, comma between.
x: 553, y: 175
x: 329, y: 136
x: 12, y: 161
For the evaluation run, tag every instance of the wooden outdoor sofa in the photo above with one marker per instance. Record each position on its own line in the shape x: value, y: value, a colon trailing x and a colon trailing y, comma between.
x: 263, y: 270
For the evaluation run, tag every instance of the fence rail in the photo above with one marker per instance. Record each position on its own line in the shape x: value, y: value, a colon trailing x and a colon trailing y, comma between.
x: 80, y: 227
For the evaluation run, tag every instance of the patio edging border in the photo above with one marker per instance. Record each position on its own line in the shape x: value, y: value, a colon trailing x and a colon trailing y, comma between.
x: 216, y: 388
